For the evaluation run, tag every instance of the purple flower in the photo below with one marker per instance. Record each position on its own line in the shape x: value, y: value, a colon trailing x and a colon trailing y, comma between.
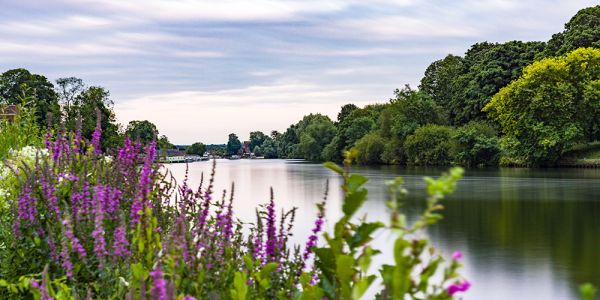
x: 96, y: 135
x: 462, y: 286
x: 457, y: 255
x: 66, y: 259
x: 98, y: 233
x: 159, y: 286
x: 144, y: 184
x: 75, y: 244
x: 188, y: 298
x: 26, y: 211
x: 48, y: 190
x: 120, y: 244
x: 271, y: 242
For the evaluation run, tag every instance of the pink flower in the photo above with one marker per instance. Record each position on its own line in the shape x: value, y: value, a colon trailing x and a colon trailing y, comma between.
x: 457, y: 255
x: 458, y: 287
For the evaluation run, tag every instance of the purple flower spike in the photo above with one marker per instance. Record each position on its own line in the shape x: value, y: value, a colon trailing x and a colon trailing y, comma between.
x: 457, y: 255
x: 159, y: 287
x: 458, y: 287
x: 271, y: 230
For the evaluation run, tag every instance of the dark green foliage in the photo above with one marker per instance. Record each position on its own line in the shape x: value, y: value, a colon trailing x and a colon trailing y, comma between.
x: 430, y: 145
x: 18, y: 83
x: 233, y: 144
x: 553, y: 106
x: 370, y: 149
x: 440, y: 79
x: 144, y: 131
x: 477, y: 145
x: 315, y: 133
x: 583, y: 30
x: 487, y: 67
x: 196, y: 149
x: 257, y: 138
x: 407, y: 112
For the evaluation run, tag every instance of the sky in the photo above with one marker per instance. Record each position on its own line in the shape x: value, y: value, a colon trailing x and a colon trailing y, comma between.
x: 200, y: 70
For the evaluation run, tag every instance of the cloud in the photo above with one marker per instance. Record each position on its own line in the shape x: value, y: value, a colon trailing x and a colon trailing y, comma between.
x: 209, y: 116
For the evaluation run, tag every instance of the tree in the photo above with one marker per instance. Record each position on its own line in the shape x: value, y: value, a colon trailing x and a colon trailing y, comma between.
x: 487, y: 68
x: 407, y: 112
x: 144, y: 131
x: 196, y: 149
x: 345, y: 112
x: 357, y: 129
x: 430, y: 145
x: 316, y: 132
x: 555, y: 104
x: 68, y: 89
x: 17, y: 84
x: 583, y: 30
x: 233, y: 145
x: 477, y: 144
x: 257, y: 138
x: 370, y: 148
x: 93, y: 103
x: 440, y: 79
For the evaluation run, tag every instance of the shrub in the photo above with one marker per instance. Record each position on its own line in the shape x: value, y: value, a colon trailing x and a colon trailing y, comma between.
x: 477, y: 145
x: 430, y: 145
x: 370, y: 148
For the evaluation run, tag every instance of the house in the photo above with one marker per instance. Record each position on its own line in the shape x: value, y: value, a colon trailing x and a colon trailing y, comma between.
x: 8, y: 112
x: 245, y: 150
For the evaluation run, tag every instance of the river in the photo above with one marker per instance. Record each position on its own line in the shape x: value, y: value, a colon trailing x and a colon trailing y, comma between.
x: 525, y: 233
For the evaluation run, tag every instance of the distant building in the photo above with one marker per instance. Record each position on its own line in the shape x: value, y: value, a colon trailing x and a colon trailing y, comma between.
x: 8, y: 112
x: 245, y: 150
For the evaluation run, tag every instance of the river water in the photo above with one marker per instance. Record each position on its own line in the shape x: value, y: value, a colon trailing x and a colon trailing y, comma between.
x: 525, y: 233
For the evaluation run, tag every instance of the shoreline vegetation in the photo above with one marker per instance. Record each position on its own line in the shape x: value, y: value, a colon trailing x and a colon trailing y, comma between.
x: 80, y: 222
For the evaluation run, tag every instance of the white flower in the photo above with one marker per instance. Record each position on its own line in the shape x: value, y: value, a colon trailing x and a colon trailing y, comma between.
x: 107, y: 159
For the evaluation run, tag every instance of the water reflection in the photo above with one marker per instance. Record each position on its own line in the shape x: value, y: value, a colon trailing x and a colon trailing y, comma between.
x: 526, y: 233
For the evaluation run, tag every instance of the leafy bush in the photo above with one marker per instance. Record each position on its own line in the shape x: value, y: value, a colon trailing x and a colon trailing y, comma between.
x: 551, y: 107
x: 430, y: 145
x: 370, y: 148
x: 477, y: 144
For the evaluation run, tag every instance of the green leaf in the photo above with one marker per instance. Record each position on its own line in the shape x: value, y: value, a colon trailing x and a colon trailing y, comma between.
x: 332, y: 166
x: 359, y: 289
x: 363, y: 234
x: 587, y: 291
x: 354, y: 201
x: 345, y: 271
x: 355, y: 181
x: 266, y: 271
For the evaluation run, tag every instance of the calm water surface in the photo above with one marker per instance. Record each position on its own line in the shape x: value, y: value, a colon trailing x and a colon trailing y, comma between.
x: 526, y: 234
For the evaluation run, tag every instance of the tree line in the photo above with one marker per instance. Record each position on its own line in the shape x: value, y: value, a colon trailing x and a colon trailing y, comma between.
x: 68, y: 104
x: 513, y: 103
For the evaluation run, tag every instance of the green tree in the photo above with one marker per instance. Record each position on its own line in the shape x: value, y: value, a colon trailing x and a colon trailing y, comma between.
x: 18, y: 83
x: 487, y: 68
x: 196, y: 148
x: 257, y: 138
x: 407, y: 112
x: 358, y: 128
x: 92, y: 103
x: 477, y: 144
x: 440, y: 79
x: 144, y: 131
x: 316, y: 131
x: 370, y: 148
x: 555, y: 104
x: 583, y: 30
x: 233, y: 144
x: 430, y: 145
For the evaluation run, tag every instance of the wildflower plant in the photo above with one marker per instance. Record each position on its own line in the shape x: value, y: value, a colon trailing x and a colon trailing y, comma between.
x: 89, y: 224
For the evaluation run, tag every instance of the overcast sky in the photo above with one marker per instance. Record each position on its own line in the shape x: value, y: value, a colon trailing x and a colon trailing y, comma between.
x: 203, y: 69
